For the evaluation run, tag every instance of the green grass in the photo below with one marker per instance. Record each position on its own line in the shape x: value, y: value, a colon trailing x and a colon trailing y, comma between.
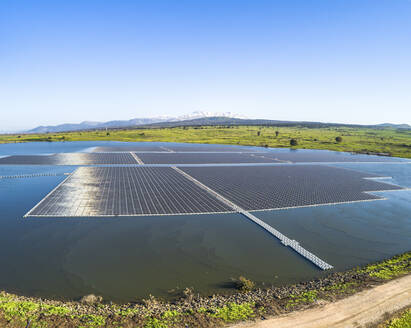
x: 167, y: 319
x: 385, y: 270
x: 20, y: 311
x: 235, y: 312
x: 403, y: 321
x: 342, y: 287
x: 92, y: 321
x: 23, y: 311
x: 304, y: 298
x: 389, y: 269
x: 395, y: 142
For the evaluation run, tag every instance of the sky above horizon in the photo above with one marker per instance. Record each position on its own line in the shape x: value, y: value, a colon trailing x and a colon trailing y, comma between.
x: 329, y: 61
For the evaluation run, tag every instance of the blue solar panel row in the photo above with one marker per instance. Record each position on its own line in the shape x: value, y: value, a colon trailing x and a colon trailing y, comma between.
x: 70, y: 159
x: 116, y: 191
x: 312, y: 156
x: 282, y: 186
x: 203, y: 158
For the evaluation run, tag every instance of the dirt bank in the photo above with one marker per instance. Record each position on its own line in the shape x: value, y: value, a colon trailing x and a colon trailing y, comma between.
x: 358, y: 310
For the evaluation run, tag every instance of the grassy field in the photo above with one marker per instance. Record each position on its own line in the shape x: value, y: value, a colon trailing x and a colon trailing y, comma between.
x: 395, y: 142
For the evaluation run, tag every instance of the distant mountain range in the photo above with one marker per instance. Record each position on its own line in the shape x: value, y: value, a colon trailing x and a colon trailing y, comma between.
x: 193, y: 119
x: 90, y: 125
x: 218, y: 120
x: 396, y: 126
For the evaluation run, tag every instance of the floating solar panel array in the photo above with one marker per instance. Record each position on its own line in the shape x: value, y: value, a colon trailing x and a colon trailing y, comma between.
x: 203, y: 158
x: 285, y: 186
x: 210, y: 148
x: 115, y: 149
x: 312, y: 156
x: 175, y: 148
x: 124, y: 191
x: 71, y: 159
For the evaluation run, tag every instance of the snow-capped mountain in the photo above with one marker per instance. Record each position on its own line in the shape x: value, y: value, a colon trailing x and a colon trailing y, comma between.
x: 200, y: 114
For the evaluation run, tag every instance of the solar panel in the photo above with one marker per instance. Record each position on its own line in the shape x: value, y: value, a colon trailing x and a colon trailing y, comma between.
x: 112, y: 191
x: 114, y: 149
x: 71, y: 159
x: 209, y: 148
x: 283, y: 186
x: 202, y: 158
x: 176, y: 148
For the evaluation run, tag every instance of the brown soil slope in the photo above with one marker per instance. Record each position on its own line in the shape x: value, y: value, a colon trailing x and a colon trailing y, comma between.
x: 355, y: 311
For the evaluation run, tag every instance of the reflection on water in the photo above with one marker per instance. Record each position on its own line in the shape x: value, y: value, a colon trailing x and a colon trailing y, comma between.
x: 125, y: 258
x: 128, y: 258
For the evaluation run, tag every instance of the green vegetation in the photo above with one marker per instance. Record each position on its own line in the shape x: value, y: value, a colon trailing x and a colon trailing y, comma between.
x: 394, y: 142
x: 92, y: 321
x: 167, y: 319
x: 129, y: 312
x: 28, y: 311
x: 310, y: 296
x: 235, y: 312
x: 402, y: 321
x: 304, y: 298
x: 389, y: 269
x: 293, y: 142
x: 385, y: 270
x: 344, y: 288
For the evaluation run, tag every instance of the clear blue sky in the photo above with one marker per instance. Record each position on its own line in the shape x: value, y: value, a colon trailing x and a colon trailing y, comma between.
x: 334, y: 61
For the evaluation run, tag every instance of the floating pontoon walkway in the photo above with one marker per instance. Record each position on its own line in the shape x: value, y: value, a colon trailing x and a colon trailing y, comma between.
x: 138, y: 160
x: 32, y: 175
x: 284, y: 239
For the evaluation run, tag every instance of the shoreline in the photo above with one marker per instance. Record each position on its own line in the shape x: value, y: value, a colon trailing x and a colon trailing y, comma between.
x: 195, y: 310
x: 356, y: 140
x: 365, y: 309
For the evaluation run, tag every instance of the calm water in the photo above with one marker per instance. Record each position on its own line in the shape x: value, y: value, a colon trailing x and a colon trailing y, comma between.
x: 124, y: 259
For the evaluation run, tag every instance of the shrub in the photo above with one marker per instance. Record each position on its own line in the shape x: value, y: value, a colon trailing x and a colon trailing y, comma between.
x: 244, y: 284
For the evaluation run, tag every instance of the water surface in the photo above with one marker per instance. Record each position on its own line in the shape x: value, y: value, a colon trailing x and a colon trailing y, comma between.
x: 127, y: 258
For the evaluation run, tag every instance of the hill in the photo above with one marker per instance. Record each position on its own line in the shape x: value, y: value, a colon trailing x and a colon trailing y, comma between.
x: 90, y: 125
x: 197, y: 119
